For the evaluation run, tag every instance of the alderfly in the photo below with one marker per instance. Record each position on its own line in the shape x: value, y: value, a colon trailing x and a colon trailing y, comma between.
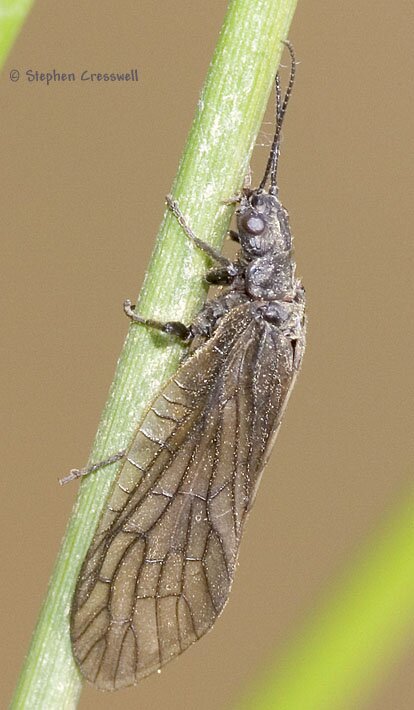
x: 161, y: 564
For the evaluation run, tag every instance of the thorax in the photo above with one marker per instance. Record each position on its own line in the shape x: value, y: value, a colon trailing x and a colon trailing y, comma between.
x: 271, y: 277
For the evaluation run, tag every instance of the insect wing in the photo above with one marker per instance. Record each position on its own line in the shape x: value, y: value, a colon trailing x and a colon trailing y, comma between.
x: 161, y: 564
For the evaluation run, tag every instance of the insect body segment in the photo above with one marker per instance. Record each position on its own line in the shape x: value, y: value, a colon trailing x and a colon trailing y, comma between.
x: 161, y: 564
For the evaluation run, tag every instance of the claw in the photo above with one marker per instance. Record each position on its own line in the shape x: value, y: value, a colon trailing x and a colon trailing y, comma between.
x: 129, y: 309
x: 73, y: 474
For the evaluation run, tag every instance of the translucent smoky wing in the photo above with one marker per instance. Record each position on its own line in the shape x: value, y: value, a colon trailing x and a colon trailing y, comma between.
x: 161, y: 564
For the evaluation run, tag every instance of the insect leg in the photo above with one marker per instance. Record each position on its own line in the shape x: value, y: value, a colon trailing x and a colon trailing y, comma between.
x: 237, y: 198
x: 79, y: 472
x: 234, y: 200
x: 176, y: 328
x: 219, y: 276
x: 206, y: 248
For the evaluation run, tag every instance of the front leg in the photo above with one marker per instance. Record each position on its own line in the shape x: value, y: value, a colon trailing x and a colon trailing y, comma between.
x: 225, y: 274
x: 221, y: 276
x: 206, y: 248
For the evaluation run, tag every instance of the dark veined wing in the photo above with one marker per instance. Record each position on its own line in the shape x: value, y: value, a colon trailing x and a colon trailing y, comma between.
x: 161, y: 564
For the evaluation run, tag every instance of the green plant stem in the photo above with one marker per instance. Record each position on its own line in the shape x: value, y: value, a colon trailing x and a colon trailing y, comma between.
x: 215, y: 160
x: 338, y: 654
x: 12, y: 15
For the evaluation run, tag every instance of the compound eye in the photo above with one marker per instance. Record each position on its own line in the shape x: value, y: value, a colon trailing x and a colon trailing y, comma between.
x: 252, y: 223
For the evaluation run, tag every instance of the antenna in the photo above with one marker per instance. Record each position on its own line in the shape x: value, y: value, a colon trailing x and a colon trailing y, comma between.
x: 281, y: 107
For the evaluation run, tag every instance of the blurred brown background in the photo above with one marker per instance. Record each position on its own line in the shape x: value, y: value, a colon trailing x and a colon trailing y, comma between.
x: 86, y: 168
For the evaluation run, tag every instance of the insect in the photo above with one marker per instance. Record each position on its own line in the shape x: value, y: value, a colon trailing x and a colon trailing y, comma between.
x: 160, y: 567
